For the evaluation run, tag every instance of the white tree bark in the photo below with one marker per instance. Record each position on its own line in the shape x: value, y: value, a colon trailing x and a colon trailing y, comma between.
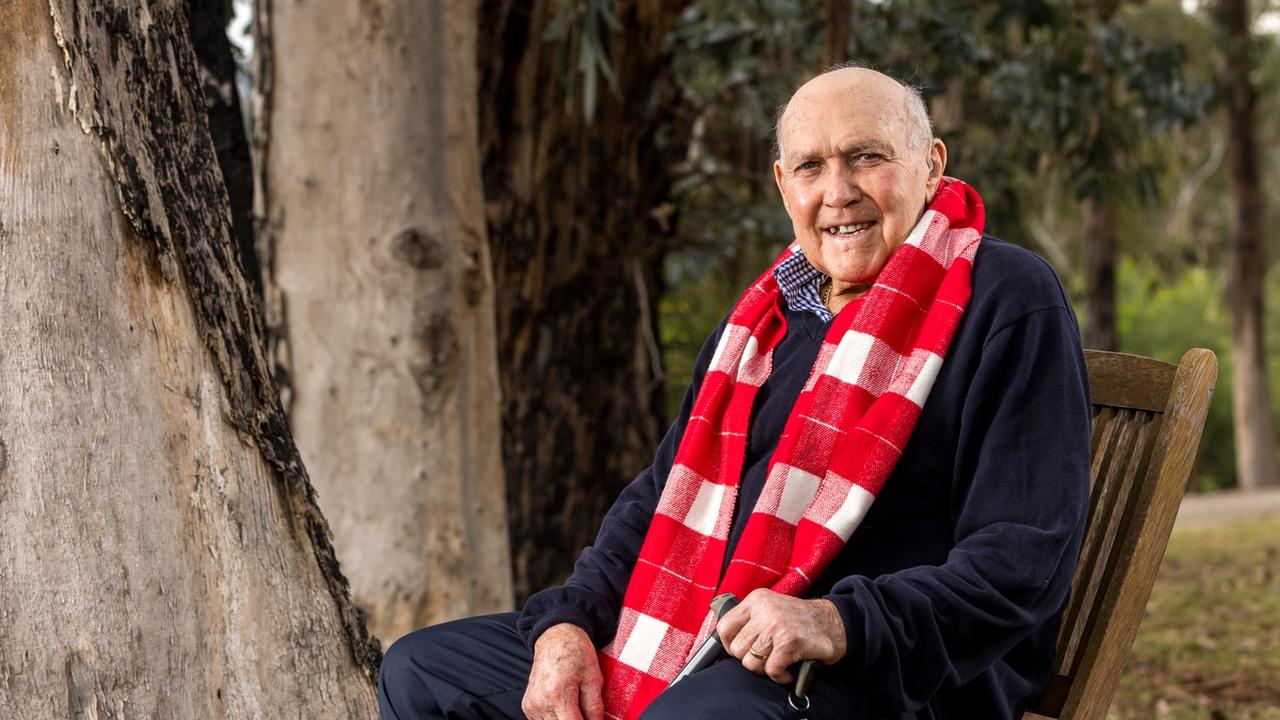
x: 372, y: 224
x: 160, y: 551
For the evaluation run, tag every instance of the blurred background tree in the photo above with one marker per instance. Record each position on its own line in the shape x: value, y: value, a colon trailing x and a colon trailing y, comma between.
x: 1094, y: 130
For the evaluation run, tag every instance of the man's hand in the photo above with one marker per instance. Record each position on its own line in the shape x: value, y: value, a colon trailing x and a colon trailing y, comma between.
x: 785, y: 630
x: 565, y: 682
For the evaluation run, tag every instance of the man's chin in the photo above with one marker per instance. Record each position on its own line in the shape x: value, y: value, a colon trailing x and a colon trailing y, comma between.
x: 856, y: 264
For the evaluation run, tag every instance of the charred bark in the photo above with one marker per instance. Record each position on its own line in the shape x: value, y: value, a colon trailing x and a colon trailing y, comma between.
x: 578, y: 244
x: 207, y: 25
x: 165, y: 554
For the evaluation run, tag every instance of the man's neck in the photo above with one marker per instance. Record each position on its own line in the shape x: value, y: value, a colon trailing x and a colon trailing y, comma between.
x: 843, y: 293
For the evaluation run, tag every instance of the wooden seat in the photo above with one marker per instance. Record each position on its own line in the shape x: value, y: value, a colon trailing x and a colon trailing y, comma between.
x: 1148, y: 416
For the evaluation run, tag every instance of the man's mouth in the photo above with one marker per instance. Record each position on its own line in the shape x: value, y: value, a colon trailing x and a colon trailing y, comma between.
x: 848, y: 229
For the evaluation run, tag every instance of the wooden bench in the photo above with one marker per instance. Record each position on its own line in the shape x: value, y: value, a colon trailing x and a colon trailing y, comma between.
x: 1148, y: 416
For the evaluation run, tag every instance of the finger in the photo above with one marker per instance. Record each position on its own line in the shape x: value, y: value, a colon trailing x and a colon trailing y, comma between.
x: 591, y: 701
x: 753, y: 663
x: 558, y: 704
x: 561, y: 711
x: 566, y: 704
x: 759, y: 646
x: 776, y: 667
x: 536, y: 708
x: 752, y: 648
x: 751, y: 636
x: 731, y: 624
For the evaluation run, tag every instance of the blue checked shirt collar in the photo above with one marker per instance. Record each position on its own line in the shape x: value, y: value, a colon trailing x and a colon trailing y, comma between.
x: 798, y: 281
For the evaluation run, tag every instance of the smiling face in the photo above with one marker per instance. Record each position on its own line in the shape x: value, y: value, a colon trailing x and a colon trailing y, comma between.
x: 851, y: 177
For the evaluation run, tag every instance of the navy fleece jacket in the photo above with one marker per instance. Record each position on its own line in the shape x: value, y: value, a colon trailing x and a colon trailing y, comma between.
x: 952, y: 588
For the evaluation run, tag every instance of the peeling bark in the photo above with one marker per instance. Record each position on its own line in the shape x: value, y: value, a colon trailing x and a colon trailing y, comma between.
x: 381, y: 296
x: 164, y: 553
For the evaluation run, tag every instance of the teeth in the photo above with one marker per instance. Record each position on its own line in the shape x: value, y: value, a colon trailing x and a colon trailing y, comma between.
x: 847, y: 229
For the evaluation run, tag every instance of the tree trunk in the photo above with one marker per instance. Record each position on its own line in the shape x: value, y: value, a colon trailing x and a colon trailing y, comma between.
x: 207, y: 23
x: 947, y: 108
x: 163, y: 553
x: 1247, y: 263
x: 839, y: 14
x: 1099, y: 247
x: 374, y: 225
x: 578, y: 240
x: 1099, y: 263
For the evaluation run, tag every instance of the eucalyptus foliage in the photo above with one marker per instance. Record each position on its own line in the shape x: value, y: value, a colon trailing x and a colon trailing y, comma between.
x: 1050, y: 102
x: 1043, y: 104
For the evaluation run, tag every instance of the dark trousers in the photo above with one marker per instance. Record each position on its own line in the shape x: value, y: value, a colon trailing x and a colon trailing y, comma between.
x: 477, y: 668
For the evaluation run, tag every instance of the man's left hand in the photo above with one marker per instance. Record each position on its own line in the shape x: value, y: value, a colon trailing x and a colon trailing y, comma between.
x: 785, y: 630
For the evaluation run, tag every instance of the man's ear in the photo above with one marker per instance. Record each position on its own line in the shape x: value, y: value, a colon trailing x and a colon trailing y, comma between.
x: 777, y: 178
x: 937, y: 162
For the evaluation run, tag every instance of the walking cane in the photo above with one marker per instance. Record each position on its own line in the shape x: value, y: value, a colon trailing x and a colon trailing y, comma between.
x: 712, y: 649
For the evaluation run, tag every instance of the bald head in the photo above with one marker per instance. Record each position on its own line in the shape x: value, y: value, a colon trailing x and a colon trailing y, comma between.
x: 857, y: 84
x: 857, y: 166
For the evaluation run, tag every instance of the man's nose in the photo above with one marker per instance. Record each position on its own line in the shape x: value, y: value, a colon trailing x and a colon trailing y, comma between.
x: 842, y: 186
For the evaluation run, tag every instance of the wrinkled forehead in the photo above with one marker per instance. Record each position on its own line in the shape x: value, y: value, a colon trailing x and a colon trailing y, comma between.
x: 820, y: 129
x: 848, y: 108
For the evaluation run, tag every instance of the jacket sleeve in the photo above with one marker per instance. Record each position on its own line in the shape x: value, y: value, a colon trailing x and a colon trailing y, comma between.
x: 591, y: 597
x: 1019, y: 498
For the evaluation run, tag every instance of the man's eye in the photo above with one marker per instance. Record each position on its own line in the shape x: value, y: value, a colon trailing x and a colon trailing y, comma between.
x: 869, y: 158
x: 808, y: 165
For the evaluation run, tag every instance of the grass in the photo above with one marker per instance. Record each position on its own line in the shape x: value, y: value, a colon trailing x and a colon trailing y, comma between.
x: 1209, y: 645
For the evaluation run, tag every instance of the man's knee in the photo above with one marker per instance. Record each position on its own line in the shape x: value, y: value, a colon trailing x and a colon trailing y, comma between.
x: 401, y: 675
x: 725, y: 691
x: 427, y: 651
x: 398, y: 661
x: 711, y: 707
x: 728, y: 691
x: 479, y: 659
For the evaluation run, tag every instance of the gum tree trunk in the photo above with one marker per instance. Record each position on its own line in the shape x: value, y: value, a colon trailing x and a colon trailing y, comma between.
x: 162, y: 552
x: 1098, y: 251
x: 1247, y: 263
x: 578, y: 217
x: 381, y: 295
x: 1099, y: 247
x: 839, y: 14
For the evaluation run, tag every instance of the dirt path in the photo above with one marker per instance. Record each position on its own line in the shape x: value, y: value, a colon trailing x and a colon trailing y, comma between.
x: 1219, y: 507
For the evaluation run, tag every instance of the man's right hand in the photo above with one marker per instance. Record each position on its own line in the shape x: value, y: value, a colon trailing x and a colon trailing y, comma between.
x: 565, y: 682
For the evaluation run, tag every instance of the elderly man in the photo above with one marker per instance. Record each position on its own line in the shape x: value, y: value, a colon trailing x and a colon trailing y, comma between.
x: 884, y: 451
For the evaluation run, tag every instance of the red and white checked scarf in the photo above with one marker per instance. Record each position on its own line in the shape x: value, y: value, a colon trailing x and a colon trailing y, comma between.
x: 845, y: 433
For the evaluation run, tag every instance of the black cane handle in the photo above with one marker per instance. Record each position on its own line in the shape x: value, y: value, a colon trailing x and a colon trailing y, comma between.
x: 723, y: 603
x: 799, y: 698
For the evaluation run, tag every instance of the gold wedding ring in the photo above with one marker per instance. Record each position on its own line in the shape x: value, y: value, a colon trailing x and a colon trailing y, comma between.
x: 759, y: 656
